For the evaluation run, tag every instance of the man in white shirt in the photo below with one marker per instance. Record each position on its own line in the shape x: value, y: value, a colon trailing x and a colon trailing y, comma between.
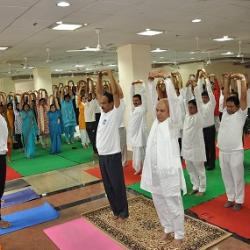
x: 193, y: 146
x: 108, y: 146
x: 208, y: 107
x: 230, y: 142
x: 90, y: 120
x: 137, y: 129
x: 162, y: 170
x: 3, y: 151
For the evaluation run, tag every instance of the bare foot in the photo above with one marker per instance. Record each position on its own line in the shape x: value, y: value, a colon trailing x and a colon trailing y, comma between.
x: 193, y: 192
x: 166, y: 237
x: 4, y: 224
x: 121, y: 220
x: 199, y: 194
x: 115, y: 217
x: 176, y: 244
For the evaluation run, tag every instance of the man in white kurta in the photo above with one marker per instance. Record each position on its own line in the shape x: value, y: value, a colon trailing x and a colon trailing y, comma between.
x: 230, y: 144
x: 208, y: 107
x: 162, y: 170
x: 137, y: 128
x: 193, y: 146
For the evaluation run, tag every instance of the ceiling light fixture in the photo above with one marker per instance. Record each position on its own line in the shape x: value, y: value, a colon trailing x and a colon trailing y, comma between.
x: 2, y: 48
x: 65, y: 26
x: 79, y: 65
x: 149, y: 32
x: 228, y: 53
x: 192, y: 58
x: 63, y: 4
x: 196, y: 20
x: 158, y: 50
x: 112, y: 65
x: 86, y: 49
x: 58, y: 70
x: 223, y: 39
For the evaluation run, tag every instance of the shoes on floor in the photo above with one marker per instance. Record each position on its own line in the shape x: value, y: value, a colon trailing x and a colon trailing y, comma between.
x: 229, y: 204
x: 237, y: 206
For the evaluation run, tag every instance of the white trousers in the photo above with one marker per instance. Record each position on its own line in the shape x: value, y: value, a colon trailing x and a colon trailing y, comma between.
x: 232, y: 170
x: 171, y: 214
x: 138, y: 158
x: 197, y: 173
x: 123, y: 144
x: 84, y: 137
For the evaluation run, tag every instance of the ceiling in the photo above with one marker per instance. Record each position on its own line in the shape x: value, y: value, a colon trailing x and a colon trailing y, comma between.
x: 24, y: 27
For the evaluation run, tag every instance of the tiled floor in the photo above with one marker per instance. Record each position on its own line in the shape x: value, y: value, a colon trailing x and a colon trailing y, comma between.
x: 71, y: 204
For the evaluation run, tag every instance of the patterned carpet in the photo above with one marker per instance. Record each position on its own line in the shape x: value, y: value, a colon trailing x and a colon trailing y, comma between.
x: 142, y: 230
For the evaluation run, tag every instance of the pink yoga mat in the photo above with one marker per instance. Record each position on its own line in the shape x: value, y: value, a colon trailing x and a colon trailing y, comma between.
x: 80, y: 234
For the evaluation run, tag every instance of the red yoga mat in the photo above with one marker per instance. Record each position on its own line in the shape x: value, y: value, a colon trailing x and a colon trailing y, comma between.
x: 130, y: 178
x: 12, y: 174
x: 234, y: 221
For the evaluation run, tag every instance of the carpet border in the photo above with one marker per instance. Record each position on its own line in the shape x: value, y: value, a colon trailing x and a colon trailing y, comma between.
x: 227, y: 234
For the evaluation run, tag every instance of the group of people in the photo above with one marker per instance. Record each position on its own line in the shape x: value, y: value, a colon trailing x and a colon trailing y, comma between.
x: 34, y: 116
x: 186, y: 118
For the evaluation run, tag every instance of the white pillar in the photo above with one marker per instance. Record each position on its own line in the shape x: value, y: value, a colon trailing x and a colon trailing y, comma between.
x: 42, y: 79
x: 7, y: 85
x: 134, y: 62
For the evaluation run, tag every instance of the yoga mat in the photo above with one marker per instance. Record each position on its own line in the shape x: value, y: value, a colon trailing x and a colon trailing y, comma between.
x: 44, y: 162
x: 40, y: 164
x: 76, y: 153
x: 80, y: 234
x: 19, y: 197
x: 143, y: 229
x: 29, y: 217
x: 215, y: 186
x: 130, y: 178
x: 235, y: 221
x: 15, y: 184
x: 12, y: 174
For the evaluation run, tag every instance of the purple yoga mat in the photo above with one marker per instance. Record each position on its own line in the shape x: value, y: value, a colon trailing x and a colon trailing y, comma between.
x: 19, y: 197
x: 80, y: 234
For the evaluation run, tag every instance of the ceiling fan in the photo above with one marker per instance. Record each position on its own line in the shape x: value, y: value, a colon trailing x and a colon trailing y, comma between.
x: 98, y: 48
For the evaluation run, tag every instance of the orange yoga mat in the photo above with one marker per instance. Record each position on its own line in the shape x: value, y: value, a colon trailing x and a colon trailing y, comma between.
x: 237, y: 222
x: 130, y: 178
x: 12, y: 174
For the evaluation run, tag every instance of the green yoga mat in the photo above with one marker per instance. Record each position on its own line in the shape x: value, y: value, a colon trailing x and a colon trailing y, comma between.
x: 43, y: 162
x: 215, y: 186
x: 76, y: 153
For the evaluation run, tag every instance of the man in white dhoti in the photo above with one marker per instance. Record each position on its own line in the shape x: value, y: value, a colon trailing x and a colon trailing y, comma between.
x: 193, y: 146
x: 230, y: 142
x: 137, y: 128
x: 162, y: 170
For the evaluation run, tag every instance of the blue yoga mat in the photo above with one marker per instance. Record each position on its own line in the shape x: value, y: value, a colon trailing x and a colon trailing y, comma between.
x: 29, y: 217
x: 19, y: 197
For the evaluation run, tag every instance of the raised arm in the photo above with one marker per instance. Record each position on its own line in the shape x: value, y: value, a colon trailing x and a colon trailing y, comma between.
x: 226, y: 81
x: 114, y: 88
x: 243, y: 96
x: 209, y: 89
x: 99, y: 87
x: 56, y: 103
x: 120, y: 91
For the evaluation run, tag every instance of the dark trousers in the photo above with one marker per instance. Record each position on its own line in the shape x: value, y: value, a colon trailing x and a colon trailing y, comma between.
x: 18, y: 139
x: 113, y: 181
x: 91, y: 130
x: 97, y: 118
x: 209, y: 138
x: 2, y: 177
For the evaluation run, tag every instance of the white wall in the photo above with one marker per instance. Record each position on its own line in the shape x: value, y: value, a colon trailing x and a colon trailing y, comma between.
x: 24, y: 85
